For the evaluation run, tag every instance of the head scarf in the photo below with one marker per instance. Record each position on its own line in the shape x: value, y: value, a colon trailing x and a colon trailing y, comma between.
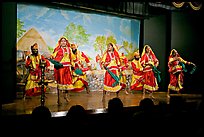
x: 171, y: 53
x: 58, y: 43
x: 58, y: 46
x: 151, y: 52
x: 116, y: 52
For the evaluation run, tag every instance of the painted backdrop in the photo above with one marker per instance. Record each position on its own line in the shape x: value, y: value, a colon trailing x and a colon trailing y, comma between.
x: 91, y: 31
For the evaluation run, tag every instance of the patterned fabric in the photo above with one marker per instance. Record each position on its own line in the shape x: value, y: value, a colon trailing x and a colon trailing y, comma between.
x: 63, y: 75
x: 123, y: 67
x: 32, y: 87
x: 137, y: 76
x: 112, y: 61
x: 176, y: 67
x: 148, y: 60
x: 81, y: 64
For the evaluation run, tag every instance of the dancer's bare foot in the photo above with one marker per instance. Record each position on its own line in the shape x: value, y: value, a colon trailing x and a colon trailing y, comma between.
x: 168, y: 96
x: 24, y: 97
x: 88, y: 91
x: 104, y: 96
x: 144, y: 91
x: 117, y: 93
x: 66, y: 98
x: 151, y: 95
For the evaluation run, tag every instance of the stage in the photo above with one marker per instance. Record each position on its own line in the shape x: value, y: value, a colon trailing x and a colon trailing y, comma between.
x: 91, y: 102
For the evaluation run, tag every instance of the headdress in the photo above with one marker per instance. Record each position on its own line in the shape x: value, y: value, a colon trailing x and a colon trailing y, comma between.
x: 137, y: 53
x: 34, y: 45
x: 171, y: 53
x: 151, y: 52
x: 74, y: 45
x: 116, y: 53
x: 58, y: 43
x: 174, y: 50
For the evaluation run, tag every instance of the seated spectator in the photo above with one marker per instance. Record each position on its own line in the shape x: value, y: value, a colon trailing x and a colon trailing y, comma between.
x: 40, y: 121
x: 146, y: 109
x: 116, y: 117
x: 41, y: 112
x: 145, y: 119
x: 77, y: 113
x: 115, y: 106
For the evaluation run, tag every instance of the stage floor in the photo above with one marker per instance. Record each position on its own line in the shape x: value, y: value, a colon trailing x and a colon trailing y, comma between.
x: 92, y: 101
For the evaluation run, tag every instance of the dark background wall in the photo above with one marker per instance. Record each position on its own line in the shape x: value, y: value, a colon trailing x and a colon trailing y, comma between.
x: 163, y: 31
x: 8, y: 52
x: 187, y: 38
x: 181, y: 30
x: 155, y: 36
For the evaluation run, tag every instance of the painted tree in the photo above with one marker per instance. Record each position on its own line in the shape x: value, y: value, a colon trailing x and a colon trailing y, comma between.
x: 129, y: 48
x: 111, y: 39
x: 20, y: 29
x: 76, y: 34
x: 101, y: 42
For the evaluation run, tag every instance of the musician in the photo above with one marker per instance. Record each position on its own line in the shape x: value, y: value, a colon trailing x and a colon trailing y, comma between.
x: 33, y: 88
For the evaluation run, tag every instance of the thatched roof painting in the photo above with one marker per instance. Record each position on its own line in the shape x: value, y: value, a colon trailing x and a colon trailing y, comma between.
x: 29, y: 38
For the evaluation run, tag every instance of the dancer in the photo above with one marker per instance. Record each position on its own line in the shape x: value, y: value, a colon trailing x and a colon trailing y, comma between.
x: 123, y: 67
x: 176, y: 68
x: 33, y: 61
x: 111, y: 63
x: 150, y: 63
x: 62, y: 70
x: 137, y: 76
x: 81, y: 64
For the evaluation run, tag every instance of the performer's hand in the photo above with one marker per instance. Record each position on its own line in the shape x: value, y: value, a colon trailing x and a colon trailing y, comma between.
x: 50, y: 56
x: 28, y: 60
x: 80, y: 67
x: 157, y: 64
x: 188, y: 63
x: 149, y: 64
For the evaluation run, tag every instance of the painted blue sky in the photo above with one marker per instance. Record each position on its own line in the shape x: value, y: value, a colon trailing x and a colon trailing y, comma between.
x: 51, y: 24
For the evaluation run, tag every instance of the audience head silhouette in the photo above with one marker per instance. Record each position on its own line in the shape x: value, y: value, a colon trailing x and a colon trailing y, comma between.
x: 146, y: 104
x: 115, y: 106
x: 41, y: 112
x: 76, y: 112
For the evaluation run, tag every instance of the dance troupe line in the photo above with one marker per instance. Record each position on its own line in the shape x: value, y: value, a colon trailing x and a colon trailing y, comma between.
x: 71, y: 66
